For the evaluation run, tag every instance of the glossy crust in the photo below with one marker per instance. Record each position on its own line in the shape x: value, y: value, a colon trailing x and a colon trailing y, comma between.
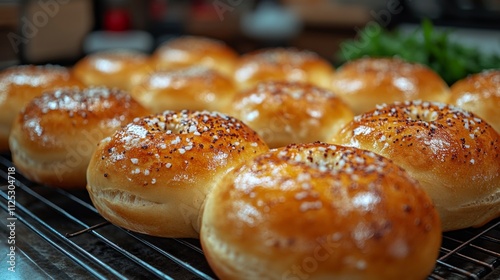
x: 479, y: 94
x: 451, y: 152
x: 366, y: 82
x: 122, y: 69
x: 288, y: 112
x: 54, y: 137
x: 192, y: 88
x: 320, y: 211
x: 152, y: 176
x: 282, y: 64
x: 20, y: 84
x: 196, y: 50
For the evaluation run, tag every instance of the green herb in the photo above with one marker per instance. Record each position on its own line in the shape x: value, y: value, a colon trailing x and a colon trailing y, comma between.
x: 449, y: 59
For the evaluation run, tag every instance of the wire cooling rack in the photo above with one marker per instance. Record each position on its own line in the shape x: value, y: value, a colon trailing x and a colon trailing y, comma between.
x: 60, y: 235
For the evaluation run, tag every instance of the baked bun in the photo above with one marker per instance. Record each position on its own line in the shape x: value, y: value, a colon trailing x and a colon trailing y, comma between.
x: 53, y: 138
x: 122, y: 69
x: 366, y: 82
x: 282, y: 64
x: 289, y: 112
x: 479, y: 94
x: 192, y: 88
x: 451, y: 152
x: 320, y: 211
x: 20, y: 84
x: 152, y: 176
x: 187, y: 51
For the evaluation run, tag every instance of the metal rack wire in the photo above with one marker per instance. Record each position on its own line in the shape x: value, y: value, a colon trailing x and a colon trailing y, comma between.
x: 60, y: 233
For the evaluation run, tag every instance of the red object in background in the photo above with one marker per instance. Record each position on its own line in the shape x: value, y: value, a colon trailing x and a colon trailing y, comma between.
x: 158, y: 9
x: 116, y: 20
x: 203, y: 10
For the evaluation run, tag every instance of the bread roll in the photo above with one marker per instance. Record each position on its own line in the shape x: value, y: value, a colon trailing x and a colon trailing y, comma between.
x: 53, y: 138
x: 192, y: 88
x: 289, y: 112
x: 152, y: 176
x: 320, y: 211
x: 122, y: 69
x: 479, y: 94
x: 366, y: 82
x: 20, y: 84
x: 282, y: 64
x: 452, y: 153
x: 188, y: 51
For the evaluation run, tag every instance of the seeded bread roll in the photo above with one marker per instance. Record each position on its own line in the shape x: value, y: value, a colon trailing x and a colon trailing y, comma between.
x: 188, y: 51
x: 152, y: 175
x: 366, y: 82
x: 454, y: 155
x: 281, y: 64
x: 20, y: 84
x: 320, y: 211
x: 53, y: 138
x: 479, y: 94
x: 122, y: 69
x: 288, y: 112
x: 191, y: 88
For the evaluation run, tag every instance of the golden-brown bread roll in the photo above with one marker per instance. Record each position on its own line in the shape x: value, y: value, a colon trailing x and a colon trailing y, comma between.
x: 152, y: 176
x: 366, y: 82
x: 282, y: 64
x: 192, y: 88
x: 479, y: 94
x: 451, y: 152
x: 20, y: 84
x: 187, y: 51
x: 122, y: 69
x: 320, y: 211
x: 289, y: 112
x: 53, y: 138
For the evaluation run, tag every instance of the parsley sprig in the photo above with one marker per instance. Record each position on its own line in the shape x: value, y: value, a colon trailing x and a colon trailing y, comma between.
x: 426, y: 45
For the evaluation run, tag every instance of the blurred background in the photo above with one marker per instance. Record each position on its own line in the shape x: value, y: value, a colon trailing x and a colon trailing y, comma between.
x: 63, y: 31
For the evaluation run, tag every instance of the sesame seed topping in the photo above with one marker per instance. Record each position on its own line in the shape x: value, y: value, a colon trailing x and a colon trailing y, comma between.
x: 306, y: 206
x: 177, y: 140
x: 301, y: 195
